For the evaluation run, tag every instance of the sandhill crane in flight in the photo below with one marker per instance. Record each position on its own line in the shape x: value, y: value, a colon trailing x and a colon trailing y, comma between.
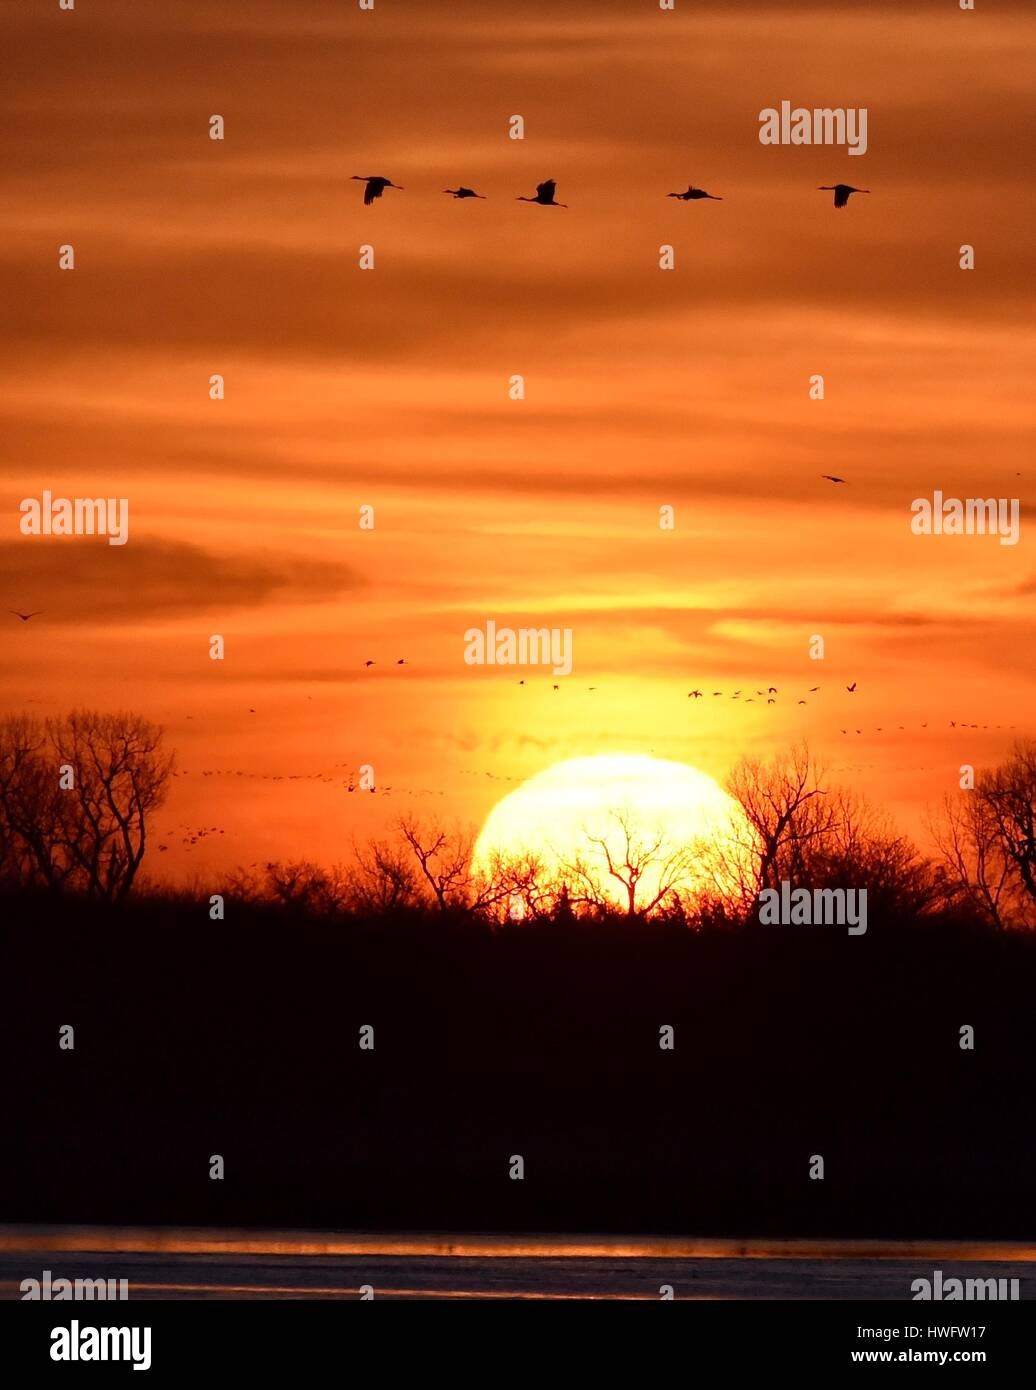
x: 544, y: 195
x: 694, y: 695
x: 463, y: 192
x: 841, y: 192
x: 693, y: 194
x: 832, y: 478
x: 375, y: 187
x: 25, y: 616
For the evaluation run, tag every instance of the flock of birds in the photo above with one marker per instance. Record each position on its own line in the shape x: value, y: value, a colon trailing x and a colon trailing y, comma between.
x: 375, y: 185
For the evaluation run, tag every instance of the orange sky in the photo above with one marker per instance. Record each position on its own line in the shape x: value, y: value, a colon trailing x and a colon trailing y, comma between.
x: 390, y: 388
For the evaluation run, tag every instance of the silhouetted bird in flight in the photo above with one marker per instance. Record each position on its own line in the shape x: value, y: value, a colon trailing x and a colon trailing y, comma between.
x: 463, y: 192
x: 851, y: 688
x: 368, y: 663
x: 25, y: 616
x: 375, y: 187
x: 832, y: 479
x: 694, y: 695
x: 693, y: 194
x: 544, y: 195
x: 402, y: 662
x: 841, y: 192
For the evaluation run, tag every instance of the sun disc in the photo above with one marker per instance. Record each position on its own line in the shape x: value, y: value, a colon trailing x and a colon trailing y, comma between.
x: 585, y: 810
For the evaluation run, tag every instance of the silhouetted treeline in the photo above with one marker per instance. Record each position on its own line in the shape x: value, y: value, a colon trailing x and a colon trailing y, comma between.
x: 76, y: 796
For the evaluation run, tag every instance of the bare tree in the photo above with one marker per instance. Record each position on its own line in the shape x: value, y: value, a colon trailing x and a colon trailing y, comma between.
x: 382, y: 881
x: 32, y: 825
x: 645, y: 865
x: 119, y: 776
x: 444, y: 859
x: 787, y: 809
x: 75, y: 796
x: 863, y: 848
x: 1009, y: 793
x: 305, y: 887
x: 980, y: 871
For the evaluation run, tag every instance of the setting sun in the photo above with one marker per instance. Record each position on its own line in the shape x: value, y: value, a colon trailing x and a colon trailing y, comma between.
x: 604, y: 820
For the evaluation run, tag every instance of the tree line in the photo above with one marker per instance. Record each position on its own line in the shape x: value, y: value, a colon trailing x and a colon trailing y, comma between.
x: 77, y: 794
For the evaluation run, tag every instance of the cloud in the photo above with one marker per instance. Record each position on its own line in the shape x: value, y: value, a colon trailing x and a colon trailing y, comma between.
x: 75, y: 580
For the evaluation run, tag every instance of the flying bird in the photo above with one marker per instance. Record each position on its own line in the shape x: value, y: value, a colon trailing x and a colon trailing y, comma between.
x: 402, y: 662
x: 693, y: 194
x: 463, y: 192
x: 375, y: 187
x: 544, y: 195
x: 25, y: 616
x: 832, y: 479
x: 851, y: 688
x: 694, y: 695
x: 369, y: 663
x: 841, y: 192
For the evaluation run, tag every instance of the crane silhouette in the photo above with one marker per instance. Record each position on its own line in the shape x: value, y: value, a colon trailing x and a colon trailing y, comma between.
x: 841, y: 192
x: 693, y: 194
x: 375, y: 187
x: 25, y: 616
x: 544, y: 195
x: 463, y: 192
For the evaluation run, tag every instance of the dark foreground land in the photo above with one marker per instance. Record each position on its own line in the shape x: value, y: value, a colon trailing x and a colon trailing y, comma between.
x: 241, y: 1038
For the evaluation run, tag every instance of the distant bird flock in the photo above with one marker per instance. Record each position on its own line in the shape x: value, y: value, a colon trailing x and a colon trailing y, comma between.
x: 376, y: 185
